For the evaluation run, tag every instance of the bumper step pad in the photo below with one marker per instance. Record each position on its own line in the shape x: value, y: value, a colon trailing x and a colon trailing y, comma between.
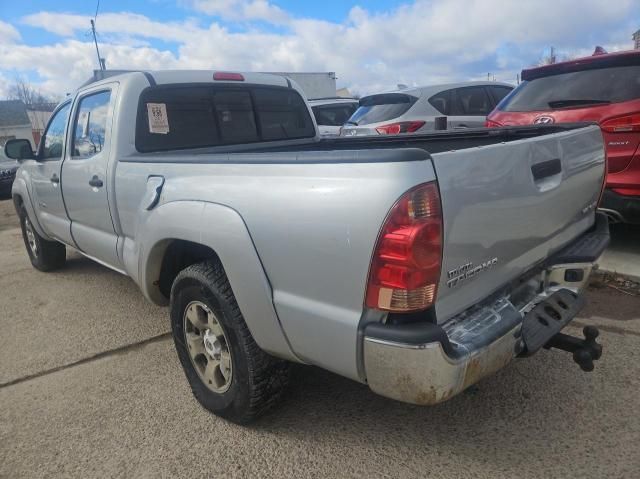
x: 548, y: 318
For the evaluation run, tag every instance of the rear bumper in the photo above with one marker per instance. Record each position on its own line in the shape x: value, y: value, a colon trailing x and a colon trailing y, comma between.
x: 424, y: 363
x: 619, y: 208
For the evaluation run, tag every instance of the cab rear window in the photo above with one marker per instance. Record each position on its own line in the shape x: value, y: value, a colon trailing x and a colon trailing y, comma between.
x: 176, y: 117
x: 575, y: 89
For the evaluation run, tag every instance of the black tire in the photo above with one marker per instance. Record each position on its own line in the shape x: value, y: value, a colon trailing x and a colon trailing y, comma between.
x: 257, y: 380
x: 44, y: 255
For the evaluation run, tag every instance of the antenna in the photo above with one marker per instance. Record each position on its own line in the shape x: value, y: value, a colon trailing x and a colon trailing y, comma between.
x: 101, y: 61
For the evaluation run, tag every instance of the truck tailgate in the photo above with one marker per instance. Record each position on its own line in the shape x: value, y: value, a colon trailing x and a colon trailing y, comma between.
x: 508, y: 206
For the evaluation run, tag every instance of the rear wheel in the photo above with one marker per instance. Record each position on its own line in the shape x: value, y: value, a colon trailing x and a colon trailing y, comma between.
x: 44, y: 255
x: 228, y: 372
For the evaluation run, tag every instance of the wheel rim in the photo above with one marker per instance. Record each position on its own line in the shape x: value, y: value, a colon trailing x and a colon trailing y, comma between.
x: 207, y: 346
x: 31, y: 237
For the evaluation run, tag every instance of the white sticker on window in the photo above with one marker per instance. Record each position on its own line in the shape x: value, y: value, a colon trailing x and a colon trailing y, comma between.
x: 158, y: 120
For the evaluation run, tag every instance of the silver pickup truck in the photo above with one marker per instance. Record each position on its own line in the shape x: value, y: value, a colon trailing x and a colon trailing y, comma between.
x: 415, y: 264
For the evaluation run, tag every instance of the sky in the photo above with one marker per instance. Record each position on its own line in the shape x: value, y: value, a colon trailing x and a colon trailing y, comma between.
x: 370, y: 45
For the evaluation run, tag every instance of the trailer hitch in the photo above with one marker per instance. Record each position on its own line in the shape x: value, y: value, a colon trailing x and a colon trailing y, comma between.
x: 585, y: 351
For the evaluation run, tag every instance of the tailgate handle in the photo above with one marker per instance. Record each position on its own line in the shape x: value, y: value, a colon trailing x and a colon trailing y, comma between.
x: 546, y: 169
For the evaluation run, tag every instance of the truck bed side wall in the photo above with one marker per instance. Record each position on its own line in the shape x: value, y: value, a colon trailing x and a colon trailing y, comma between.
x: 314, y: 227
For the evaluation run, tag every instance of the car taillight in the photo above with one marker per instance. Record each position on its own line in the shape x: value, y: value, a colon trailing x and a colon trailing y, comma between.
x: 405, y: 268
x: 491, y: 124
x: 622, y: 124
x: 228, y: 76
x: 401, y: 127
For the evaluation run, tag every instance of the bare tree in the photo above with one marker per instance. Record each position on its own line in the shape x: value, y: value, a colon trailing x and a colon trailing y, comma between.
x: 21, y: 89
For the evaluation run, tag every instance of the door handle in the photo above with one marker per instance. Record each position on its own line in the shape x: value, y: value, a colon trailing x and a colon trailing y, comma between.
x: 96, y: 182
x: 55, y: 180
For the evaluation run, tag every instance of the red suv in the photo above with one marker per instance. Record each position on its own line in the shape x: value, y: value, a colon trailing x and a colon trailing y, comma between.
x: 603, y: 88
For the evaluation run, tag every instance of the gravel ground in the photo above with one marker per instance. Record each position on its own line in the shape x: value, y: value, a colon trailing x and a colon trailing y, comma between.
x: 90, y: 386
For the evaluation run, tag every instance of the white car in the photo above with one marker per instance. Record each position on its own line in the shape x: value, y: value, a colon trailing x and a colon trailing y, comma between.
x: 418, y: 110
x: 332, y: 113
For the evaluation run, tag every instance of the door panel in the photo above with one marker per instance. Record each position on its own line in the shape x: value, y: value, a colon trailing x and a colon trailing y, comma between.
x: 45, y: 178
x: 84, y: 174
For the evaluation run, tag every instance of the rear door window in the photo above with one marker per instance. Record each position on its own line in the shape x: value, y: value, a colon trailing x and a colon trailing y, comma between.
x: 575, y: 89
x: 383, y: 107
x: 442, y: 102
x: 197, y: 116
x: 471, y: 101
x: 333, y: 115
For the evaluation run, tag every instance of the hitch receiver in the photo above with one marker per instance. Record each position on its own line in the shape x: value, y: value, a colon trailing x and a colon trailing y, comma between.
x: 585, y: 351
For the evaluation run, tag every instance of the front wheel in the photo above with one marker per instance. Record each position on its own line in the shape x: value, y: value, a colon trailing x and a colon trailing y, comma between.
x: 228, y: 372
x: 44, y: 255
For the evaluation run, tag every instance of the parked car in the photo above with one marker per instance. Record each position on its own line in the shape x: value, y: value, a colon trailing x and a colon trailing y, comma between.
x: 8, y: 168
x: 407, y: 264
x: 414, y: 110
x: 332, y: 113
x: 604, y: 88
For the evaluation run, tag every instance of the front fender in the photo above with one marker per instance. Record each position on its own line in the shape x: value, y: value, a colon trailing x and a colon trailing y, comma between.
x: 223, y: 230
x: 20, y: 189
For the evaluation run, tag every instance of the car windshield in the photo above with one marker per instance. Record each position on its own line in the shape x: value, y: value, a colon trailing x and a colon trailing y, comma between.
x: 576, y: 89
x: 376, y: 108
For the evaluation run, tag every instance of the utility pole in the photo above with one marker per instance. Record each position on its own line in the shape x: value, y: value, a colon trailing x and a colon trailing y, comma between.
x: 101, y: 61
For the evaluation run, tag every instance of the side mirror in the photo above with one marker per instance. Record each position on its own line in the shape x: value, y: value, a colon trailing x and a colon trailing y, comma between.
x: 19, y: 149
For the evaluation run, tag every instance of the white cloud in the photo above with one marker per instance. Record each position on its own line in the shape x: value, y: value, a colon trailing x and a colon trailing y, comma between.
x: 8, y: 33
x: 423, y: 42
x: 242, y: 10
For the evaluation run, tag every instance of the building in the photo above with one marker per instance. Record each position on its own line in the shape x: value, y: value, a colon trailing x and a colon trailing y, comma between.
x: 39, y: 114
x: 636, y: 40
x: 14, y: 121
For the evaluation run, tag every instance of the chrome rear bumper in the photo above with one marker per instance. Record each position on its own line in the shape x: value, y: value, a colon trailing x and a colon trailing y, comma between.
x: 431, y: 372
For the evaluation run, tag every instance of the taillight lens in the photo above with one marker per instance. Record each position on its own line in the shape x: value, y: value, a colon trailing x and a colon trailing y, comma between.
x: 622, y: 124
x: 405, y: 268
x: 401, y: 127
x: 491, y: 124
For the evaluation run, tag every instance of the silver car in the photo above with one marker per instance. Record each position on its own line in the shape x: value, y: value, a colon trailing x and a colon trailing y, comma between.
x: 332, y: 113
x: 422, y: 109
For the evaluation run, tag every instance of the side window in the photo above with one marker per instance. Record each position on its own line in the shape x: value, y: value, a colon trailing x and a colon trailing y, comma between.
x: 90, y: 125
x: 442, y: 102
x: 499, y: 92
x: 53, y: 140
x: 472, y: 101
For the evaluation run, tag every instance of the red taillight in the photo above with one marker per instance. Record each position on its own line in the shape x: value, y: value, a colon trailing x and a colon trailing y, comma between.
x: 623, y: 124
x: 491, y: 124
x: 405, y: 268
x: 228, y: 76
x: 401, y: 127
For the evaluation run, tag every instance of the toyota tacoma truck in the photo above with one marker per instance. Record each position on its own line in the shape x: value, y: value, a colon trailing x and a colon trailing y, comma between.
x: 416, y: 264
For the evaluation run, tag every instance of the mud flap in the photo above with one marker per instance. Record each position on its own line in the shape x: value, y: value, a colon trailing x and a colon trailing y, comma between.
x: 548, y: 318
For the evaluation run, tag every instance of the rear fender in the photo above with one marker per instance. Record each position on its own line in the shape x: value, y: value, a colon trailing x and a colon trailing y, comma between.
x: 223, y: 230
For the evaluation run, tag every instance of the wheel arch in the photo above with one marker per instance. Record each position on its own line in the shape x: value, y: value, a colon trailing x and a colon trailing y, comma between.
x: 22, y: 198
x: 182, y: 233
